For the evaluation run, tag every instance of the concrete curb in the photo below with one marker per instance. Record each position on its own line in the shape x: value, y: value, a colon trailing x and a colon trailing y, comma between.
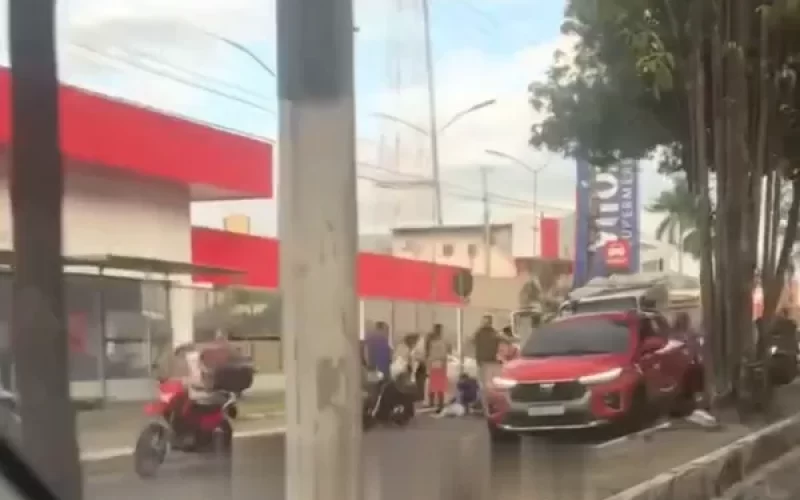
x: 710, y: 476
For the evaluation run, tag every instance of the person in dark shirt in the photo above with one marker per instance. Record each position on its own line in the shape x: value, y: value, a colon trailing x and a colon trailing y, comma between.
x: 467, y: 391
x: 378, y: 349
x: 486, y: 342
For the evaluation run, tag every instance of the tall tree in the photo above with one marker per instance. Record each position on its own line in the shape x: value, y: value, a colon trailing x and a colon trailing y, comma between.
x: 714, y: 85
x: 39, y: 336
x: 679, y: 209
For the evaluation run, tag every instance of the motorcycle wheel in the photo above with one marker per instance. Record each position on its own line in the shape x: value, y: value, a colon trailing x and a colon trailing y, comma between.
x: 402, y: 413
x: 226, y: 431
x: 367, y: 422
x: 151, y: 450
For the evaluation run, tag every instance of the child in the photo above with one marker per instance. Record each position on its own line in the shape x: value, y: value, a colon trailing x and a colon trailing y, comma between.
x: 466, y: 397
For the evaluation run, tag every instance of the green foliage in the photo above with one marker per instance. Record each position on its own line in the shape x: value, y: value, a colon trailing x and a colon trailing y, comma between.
x: 679, y: 208
x: 619, y: 95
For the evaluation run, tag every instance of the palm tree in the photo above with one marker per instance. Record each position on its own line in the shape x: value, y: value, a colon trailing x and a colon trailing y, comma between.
x: 679, y: 208
x: 39, y: 333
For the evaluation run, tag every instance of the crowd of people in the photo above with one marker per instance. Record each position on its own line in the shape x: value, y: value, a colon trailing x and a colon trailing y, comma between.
x: 423, y: 360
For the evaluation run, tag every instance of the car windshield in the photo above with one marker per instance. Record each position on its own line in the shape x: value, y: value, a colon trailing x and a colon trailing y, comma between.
x: 578, y: 337
x: 525, y: 322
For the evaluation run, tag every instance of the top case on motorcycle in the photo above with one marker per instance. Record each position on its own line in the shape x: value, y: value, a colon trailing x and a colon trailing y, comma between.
x: 230, y: 371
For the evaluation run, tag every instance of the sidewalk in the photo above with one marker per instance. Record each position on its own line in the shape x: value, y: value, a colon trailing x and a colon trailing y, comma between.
x: 117, y: 425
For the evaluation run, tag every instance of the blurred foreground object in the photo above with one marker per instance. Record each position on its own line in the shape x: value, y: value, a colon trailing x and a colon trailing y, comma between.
x: 39, y: 333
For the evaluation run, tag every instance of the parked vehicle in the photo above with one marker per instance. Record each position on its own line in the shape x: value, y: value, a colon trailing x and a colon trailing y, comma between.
x: 783, y: 352
x: 387, y: 401
x: 178, y: 423
x: 597, y: 369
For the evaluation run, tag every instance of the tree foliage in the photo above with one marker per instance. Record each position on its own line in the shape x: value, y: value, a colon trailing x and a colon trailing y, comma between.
x: 598, y: 100
x: 713, y: 87
x: 679, y: 225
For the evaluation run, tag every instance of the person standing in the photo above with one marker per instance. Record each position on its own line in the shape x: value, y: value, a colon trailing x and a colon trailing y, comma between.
x: 379, y: 349
x: 436, y: 362
x: 486, y: 342
x: 419, y: 353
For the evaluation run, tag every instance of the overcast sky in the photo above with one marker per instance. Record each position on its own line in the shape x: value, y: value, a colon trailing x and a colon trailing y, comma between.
x: 158, y: 53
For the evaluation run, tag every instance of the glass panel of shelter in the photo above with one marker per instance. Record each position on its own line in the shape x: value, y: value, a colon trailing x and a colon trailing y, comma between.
x: 250, y: 318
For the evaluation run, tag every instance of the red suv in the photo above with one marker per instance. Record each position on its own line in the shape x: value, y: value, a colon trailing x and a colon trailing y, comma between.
x: 595, y: 369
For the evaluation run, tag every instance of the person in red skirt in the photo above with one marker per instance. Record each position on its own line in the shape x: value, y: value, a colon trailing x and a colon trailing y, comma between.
x: 437, y: 368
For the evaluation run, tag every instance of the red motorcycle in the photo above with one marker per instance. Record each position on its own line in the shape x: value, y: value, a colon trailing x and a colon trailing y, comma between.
x: 178, y: 423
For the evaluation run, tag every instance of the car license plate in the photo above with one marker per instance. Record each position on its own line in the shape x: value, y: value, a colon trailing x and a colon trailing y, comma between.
x: 546, y: 411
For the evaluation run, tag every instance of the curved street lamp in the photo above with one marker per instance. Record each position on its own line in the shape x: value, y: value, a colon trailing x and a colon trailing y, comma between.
x: 533, y: 171
x: 235, y: 45
x: 455, y: 118
x: 433, y: 135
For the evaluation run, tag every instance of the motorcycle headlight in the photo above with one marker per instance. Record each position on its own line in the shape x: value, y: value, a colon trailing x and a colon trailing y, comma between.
x: 602, y: 377
x: 503, y: 382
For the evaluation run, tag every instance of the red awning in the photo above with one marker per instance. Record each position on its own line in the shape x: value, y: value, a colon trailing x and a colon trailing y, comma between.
x: 379, y: 276
x: 100, y: 132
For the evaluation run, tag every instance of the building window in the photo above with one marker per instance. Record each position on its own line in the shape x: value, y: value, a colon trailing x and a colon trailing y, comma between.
x: 472, y: 250
x: 409, y: 247
x: 447, y: 250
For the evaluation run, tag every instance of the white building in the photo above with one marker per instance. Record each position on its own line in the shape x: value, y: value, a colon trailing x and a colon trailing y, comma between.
x: 463, y: 246
x: 131, y: 175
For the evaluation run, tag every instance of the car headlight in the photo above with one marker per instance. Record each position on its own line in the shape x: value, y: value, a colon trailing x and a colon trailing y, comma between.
x: 503, y: 383
x: 602, y: 377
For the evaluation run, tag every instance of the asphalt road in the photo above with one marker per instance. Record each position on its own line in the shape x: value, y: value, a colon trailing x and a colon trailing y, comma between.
x: 399, y: 464
x: 409, y: 463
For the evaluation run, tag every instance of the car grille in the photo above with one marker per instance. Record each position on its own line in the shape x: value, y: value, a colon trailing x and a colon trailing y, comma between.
x: 522, y: 421
x: 557, y: 391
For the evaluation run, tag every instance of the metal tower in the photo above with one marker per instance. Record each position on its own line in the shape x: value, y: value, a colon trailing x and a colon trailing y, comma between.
x: 405, y: 147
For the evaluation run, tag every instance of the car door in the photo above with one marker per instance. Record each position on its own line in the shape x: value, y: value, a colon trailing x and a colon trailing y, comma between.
x: 672, y: 355
x: 649, y: 363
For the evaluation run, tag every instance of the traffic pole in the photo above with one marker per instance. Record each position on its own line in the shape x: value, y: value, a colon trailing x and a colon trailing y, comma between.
x: 318, y: 232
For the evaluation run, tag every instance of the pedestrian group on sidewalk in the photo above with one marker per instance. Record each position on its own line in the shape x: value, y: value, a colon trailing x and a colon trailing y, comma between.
x: 422, y: 361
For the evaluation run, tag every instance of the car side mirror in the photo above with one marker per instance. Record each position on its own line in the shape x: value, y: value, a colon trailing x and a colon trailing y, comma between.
x: 652, y: 344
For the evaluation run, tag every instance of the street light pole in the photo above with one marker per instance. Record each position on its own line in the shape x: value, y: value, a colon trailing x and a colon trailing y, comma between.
x: 318, y: 231
x: 534, y: 171
x: 237, y: 46
x: 434, y: 136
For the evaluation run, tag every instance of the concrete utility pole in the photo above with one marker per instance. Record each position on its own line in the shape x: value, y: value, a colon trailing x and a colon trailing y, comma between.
x: 487, y: 222
x: 318, y: 231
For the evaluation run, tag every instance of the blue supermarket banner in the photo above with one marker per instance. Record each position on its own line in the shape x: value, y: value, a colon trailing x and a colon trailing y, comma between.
x: 607, y: 210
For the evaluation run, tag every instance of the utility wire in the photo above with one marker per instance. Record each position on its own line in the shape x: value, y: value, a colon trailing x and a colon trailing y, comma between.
x: 167, y: 75
x: 460, y: 190
x: 468, y: 197
x: 147, y: 55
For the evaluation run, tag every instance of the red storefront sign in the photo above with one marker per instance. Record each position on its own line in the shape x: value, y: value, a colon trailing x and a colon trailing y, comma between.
x: 618, y: 254
x: 78, y: 326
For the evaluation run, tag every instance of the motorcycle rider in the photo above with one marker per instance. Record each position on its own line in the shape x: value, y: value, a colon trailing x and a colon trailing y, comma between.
x: 197, y: 379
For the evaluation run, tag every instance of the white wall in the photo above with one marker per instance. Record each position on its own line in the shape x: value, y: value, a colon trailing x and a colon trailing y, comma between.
x: 110, y: 213
x: 117, y: 215
x: 429, y: 248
